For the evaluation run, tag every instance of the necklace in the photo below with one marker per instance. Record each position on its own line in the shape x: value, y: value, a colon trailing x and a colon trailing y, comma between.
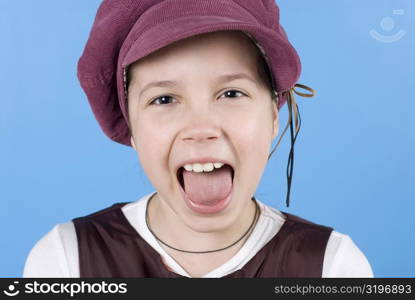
x: 209, y: 251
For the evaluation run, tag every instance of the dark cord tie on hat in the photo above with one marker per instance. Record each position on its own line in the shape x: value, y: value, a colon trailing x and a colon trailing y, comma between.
x: 292, y: 109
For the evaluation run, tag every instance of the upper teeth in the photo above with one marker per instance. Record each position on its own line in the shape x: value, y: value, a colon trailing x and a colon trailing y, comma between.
x: 207, y: 167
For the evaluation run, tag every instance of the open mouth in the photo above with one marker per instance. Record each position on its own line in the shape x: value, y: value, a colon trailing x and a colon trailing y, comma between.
x: 179, y: 174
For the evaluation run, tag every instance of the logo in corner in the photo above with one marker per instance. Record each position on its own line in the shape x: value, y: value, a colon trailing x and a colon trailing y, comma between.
x: 388, y: 24
x: 12, y: 291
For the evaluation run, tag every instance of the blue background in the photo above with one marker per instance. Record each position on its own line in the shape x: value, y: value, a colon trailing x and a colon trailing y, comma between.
x: 354, y: 160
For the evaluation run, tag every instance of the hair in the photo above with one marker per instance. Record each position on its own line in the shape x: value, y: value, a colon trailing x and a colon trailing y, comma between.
x: 266, y: 75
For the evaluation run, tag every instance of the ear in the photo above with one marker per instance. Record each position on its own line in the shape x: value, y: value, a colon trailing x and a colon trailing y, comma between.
x: 132, y: 143
x: 275, y: 118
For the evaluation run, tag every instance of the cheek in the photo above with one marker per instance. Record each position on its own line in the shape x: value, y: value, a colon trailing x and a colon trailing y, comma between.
x: 153, y: 142
x: 252, y: 137
x: 251, y: 131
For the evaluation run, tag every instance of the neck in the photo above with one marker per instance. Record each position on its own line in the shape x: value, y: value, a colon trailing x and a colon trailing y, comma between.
x: 170, y: 227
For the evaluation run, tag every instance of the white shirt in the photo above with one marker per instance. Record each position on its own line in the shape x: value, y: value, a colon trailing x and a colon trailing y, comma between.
x: 56, y: 253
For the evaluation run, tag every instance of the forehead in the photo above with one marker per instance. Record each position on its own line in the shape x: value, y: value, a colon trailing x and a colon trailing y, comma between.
x: 211, y: 52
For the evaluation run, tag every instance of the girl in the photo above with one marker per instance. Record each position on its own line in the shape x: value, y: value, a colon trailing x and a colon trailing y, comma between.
x: 195, y: 87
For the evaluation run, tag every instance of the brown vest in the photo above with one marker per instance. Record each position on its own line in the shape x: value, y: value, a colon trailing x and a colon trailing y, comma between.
x: 109, y: 246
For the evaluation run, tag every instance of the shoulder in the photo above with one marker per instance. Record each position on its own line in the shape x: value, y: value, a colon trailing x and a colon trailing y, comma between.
x: 101, y: 214
x: 54, y: 255
x: 343, y: 258
x: 305, y: 223
x: 293, y: 220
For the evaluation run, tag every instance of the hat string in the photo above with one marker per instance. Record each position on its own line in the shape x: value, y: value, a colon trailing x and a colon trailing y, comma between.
x: 292, y: 109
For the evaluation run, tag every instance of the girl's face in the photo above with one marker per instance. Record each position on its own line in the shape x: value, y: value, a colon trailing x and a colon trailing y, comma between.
x: 202, y: 98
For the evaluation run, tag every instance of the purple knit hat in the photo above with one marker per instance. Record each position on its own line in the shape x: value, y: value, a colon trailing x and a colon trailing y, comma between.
x: 125, y: 31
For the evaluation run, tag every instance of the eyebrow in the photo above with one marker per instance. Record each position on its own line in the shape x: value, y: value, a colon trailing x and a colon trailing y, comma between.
x: 222, y: 78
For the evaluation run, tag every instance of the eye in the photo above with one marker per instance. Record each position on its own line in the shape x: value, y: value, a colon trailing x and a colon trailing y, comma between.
x: 162, y: 100
x: 233, y: 94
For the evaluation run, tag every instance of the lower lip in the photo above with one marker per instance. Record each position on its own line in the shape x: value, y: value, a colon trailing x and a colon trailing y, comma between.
x: 206, y: 209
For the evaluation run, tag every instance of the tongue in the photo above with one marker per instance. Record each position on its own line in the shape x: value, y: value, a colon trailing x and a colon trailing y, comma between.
x: 208, y: 188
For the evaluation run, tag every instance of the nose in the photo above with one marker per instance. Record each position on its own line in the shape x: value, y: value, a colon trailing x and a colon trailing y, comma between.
x: 200, y: 129
x: 199, y: 134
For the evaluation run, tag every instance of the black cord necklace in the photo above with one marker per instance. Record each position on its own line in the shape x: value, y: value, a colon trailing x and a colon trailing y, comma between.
x: 200, y: 252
